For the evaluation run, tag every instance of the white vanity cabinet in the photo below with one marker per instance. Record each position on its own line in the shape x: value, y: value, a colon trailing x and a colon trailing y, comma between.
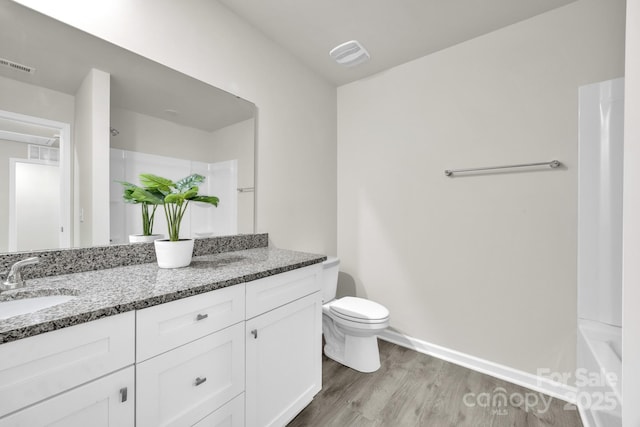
x: 190, y: 358
x: 56, y: 374
x: 283, y: 348
x: 243, y: 355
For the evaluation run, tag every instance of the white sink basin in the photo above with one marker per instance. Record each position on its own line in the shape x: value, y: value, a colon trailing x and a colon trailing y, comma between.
x: 29, y: 305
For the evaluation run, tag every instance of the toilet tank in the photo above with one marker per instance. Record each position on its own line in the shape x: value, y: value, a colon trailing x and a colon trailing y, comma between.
x: 330, y: 269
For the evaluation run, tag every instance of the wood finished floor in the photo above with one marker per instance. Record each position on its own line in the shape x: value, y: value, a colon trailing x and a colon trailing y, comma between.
x: 413, y: 389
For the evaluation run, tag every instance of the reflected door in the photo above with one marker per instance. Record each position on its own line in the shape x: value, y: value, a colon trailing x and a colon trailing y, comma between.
x: 34, y: 222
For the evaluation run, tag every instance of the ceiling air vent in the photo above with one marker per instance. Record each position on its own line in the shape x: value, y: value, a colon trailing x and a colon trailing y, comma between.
x: 349, y: 54
x: 15, y: 66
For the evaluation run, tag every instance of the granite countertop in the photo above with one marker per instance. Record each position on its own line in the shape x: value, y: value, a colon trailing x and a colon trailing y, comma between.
x: 102, y: 293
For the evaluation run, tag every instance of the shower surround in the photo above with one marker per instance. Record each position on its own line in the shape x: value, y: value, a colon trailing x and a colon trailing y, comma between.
x: 599, y: 347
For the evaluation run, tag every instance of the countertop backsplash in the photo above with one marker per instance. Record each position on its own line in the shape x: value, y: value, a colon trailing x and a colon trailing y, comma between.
x: 76, y: 260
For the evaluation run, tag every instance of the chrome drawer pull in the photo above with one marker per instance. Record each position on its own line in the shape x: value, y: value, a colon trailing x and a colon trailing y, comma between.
x: 123, y: 394
x: 200, y: 381
x: 254, y: 332
x: 201, y: 316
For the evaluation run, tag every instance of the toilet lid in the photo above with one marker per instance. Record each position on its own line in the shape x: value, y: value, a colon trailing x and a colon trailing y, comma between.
x: 359, y: 308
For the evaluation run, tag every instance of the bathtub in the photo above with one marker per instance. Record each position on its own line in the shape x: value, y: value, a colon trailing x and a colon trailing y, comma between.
x: 599, y: 373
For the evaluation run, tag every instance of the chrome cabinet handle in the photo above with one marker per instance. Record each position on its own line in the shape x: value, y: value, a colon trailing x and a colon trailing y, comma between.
x: 201, y: 316
x: 200, y: 380
x: 123, y: 394
x: 254, y: 332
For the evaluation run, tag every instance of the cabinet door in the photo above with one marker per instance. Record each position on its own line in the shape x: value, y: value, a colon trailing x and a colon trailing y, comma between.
x: 107, y: 402
x: 184, y: 385
x: 284, y: 361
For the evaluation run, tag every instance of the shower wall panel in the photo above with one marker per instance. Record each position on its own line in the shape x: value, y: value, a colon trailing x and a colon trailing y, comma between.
x: 600, y: 152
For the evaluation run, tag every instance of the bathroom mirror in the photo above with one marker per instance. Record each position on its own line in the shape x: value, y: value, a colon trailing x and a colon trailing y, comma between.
x: 146, y: 118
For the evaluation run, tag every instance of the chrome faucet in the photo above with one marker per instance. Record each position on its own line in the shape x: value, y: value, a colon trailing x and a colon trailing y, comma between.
x: 14, y: 277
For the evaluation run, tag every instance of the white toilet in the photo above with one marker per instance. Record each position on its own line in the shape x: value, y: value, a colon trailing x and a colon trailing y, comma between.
x: 350, y: 325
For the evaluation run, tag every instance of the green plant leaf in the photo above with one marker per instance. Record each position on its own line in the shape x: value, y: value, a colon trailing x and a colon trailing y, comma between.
x: 145, y: 197
x: 191, y: 193
x: 189, y: 182
x: 127, y: 196
x: 174, y: 198
x: 141, y: 195
x: 126, y: 184
x: 128, y: 192
x: 212, y: 200
x: 155, y: 182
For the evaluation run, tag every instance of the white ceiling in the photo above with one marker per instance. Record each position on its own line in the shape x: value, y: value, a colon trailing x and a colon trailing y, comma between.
x: 393, y: 31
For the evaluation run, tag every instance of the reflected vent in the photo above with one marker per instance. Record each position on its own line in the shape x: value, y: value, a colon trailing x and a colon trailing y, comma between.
x: 48, y: 154
x: 15, y: 66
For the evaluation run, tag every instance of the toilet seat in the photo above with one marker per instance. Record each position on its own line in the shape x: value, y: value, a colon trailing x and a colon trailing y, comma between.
x: 359, y: 310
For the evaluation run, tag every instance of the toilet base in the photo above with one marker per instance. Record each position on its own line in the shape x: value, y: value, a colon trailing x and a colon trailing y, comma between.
x: 357, y: 352
x: 360, y: 353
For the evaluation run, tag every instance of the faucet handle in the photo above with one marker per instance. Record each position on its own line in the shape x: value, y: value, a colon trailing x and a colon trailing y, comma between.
x: 27, y: 261
x: 14, y: 277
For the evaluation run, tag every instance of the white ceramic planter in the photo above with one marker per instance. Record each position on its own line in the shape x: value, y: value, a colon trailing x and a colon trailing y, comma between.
x: 173, y: 254
x: 141, y: 238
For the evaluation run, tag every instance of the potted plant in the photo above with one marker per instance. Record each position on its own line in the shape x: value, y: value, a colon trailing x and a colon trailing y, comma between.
x: 140, y: 196
x: 174, y: 198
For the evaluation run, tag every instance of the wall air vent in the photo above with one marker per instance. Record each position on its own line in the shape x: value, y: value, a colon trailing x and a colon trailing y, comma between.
x: 15, y: 66
x: 349, y: 54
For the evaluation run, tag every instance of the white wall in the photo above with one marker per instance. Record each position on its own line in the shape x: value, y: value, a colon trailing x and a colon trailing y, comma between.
x: 236, y: 142
x: 18, y: 97
x: 91, y: 174
x: 631, y: 224
x: 296, y: 200
x: 146, y: 134
x: 482, y: 264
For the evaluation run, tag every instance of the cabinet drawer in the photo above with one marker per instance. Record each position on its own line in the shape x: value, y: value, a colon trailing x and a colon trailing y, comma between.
x: 184, y: 385
x: 38, y: 367
x: 167, y: 326
x: 274, y: 291
x: 230, y: 415
x: 98, y: 403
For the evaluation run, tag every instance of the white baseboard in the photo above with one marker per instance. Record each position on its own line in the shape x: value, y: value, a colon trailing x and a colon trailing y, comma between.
x: 521, y: 378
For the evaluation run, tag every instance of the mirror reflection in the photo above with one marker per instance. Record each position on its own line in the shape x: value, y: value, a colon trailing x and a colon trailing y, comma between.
x: 33, y: 174
x: 78, y: 113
